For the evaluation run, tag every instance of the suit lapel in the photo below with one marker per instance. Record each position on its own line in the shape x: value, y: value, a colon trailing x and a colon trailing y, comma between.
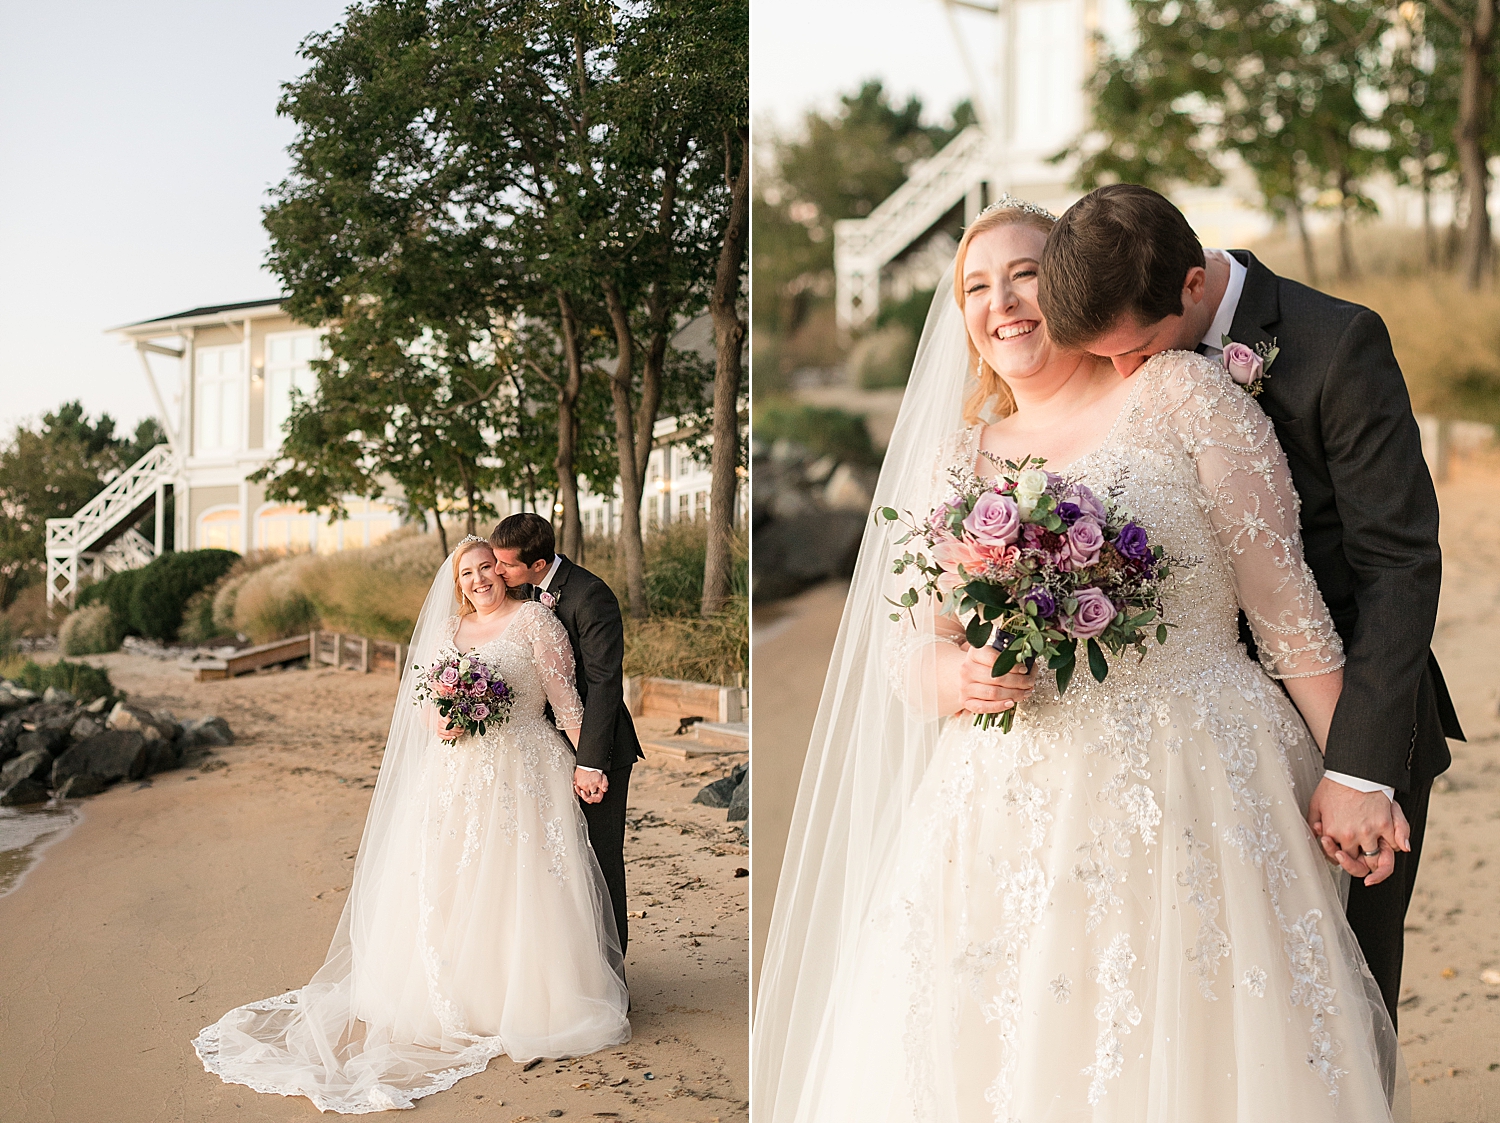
x: 1259, y: 308
x: 564, y: 570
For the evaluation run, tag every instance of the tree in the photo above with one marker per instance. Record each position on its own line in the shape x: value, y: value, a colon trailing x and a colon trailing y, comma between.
x: 49, y: 472
x: 1474, y: 128
x: 1283, y: 87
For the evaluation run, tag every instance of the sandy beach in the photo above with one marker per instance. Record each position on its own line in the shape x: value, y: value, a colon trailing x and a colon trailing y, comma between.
x: 176, y: 899
x: 1450, y: 1017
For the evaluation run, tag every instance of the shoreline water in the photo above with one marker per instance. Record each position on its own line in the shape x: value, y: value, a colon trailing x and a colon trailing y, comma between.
x: 25, y: 832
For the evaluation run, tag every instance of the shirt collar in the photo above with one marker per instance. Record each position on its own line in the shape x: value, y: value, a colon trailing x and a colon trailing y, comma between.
x: 547, y: 580
x: 1213, y: 339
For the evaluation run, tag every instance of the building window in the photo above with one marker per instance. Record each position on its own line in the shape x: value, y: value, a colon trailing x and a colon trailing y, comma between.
x: 288, y: 355
x: 285, y: 529
x: 219, y: 529
x: 700, y: 505
x: 684, y: 508
x: 219, y: 392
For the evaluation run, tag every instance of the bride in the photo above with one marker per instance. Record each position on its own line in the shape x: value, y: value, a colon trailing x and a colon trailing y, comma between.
x: 478, y: 922
x: 1116, y: 911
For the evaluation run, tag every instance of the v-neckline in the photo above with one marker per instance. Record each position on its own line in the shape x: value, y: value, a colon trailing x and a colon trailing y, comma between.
x: 1109, y: 437
x: 505, y: 631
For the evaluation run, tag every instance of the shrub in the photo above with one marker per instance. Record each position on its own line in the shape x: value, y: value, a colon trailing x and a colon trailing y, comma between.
x: 882, y: 360
x: 378, y: 591
x: 673, y: 567
x: 166, y: 585
x: 91, y: 630
x: 700, y: 649
x: 823, y: 432
x: 28, y: 615
x: 270, y: 603
x: 198, y: 618
x: 115, y: 591
x: 84, y: 682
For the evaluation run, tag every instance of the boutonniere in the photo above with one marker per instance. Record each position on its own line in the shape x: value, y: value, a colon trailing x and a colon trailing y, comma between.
x: 548, y: 599
x: 1249, y: 367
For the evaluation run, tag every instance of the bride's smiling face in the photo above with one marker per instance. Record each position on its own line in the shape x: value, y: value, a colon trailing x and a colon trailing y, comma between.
x: 478, y: 580
x: 1000, y: 303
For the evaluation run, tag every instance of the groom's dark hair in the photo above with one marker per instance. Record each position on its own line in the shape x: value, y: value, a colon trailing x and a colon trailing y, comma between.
x: 1120, y: 250
x: 529, y: 533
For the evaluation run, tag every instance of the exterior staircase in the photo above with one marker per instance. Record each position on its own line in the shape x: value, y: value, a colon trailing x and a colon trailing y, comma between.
x: 102, y: 535
x: 862, y: 247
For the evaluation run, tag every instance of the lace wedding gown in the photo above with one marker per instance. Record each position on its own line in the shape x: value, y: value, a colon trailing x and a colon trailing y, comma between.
x: 1117, y: 911
x: 480, y: 926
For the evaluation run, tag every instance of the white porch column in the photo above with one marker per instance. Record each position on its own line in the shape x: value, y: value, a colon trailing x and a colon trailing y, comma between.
x: 161, y: 516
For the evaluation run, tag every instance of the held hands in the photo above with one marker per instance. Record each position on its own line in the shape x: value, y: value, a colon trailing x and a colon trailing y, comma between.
x: 980, y: 692
x: 589, y: 785
x: 1359, y: 831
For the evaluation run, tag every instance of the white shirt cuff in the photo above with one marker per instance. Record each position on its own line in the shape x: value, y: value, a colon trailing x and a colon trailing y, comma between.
x: 586, y: 768
x: 1361, y: 785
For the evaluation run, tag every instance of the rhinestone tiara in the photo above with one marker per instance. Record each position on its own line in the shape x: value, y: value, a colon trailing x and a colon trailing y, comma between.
x: 466, y: 539
x: 1008, y: 202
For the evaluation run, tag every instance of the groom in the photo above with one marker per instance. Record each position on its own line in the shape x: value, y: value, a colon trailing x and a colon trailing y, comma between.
x: 526, y: 556
x: 1123, y: 276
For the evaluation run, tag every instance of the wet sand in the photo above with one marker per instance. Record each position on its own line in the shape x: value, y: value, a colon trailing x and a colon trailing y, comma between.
x: 176, y: 899
x: 1450, y: 1017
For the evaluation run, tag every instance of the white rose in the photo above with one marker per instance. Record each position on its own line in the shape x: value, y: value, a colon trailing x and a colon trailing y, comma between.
x: 1030, y: 485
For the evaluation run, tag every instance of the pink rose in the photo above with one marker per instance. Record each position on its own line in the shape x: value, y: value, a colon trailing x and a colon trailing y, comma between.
x: 445, y: 691
x: 1094, y: 614
x: 1086, y: 501
x: 1084, y: 542
x: 1244, y: 364
x: 480, y: 712
x: 448, y: 676
x: 994, y: 521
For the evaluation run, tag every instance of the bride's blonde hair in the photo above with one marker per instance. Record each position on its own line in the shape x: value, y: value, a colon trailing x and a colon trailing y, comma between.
x: 467, y: 546
x: 990, y: 386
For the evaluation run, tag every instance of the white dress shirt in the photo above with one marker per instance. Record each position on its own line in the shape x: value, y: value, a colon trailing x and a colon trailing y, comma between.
x: 1213, y: 347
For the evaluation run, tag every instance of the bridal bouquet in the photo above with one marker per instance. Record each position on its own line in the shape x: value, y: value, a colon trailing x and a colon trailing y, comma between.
x: 471, y: 695
x: 1038, y: 564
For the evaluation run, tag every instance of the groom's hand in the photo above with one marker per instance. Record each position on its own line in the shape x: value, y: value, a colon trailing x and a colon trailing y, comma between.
x: 1351, y: 824
x: 590, y: 785
x: 980, y: 692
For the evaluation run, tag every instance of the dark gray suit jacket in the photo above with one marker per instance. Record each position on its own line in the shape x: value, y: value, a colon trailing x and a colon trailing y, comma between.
x: 591, y: 614
x: 1369, y: 520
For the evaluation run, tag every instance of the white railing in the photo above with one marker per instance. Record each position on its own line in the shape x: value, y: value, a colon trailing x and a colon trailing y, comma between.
x: 863, y: 246
x: 70, y: 539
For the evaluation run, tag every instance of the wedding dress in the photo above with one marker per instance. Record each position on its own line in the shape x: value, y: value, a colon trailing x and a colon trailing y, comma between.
x: 1116, y: 911
x: 478, y: 922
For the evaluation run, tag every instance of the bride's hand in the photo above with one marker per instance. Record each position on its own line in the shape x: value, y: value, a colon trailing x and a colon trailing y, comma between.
x: 980, y: 692
x: 449, y: 733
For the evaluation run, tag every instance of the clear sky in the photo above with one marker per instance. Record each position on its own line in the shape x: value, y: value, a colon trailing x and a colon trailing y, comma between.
x: 803, y: 53
x: 137, y: 142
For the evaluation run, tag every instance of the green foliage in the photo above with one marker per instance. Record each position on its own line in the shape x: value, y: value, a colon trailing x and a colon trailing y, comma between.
x: 198, y: 618
x: 822, y: 431
x: 882, y: 359
x: 84, y: 682
x: 91, y: 630
x: 151, y: 601
x: 1290, y: 89
x: 715, y: 649
x: 49, y: 472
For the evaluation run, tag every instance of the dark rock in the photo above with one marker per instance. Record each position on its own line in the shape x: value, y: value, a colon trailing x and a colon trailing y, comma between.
x: 13, y: 697
x: 27, y: 791
x: 81, y: 787
x: 207, y: 731
x: 32, y: 764
x: 84, y: 728
x: 167, y: 722
x: 56, y: 726
x: 30, y: 742
x: 56, y: 696
x: 161, y: 756
x: 739, y: 803
x: 117, y: 754
x: 720, y: 792
x: 792, y: 554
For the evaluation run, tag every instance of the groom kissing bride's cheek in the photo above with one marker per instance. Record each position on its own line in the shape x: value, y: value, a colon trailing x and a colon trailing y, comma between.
x: 1124, y: 277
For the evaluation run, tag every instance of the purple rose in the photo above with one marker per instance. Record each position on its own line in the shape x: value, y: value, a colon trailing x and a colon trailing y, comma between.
x: 1070, y: 513
x: 994, y: 521
x: 1045, y: 605
x: 1094, y: 614
x: 481, y: 712
x: 477, y: 687
x: 449, y: 676
x: 1084, y: 542
x: 1244, y: 365
x: 1087, y: 502
x: 1132, y: 543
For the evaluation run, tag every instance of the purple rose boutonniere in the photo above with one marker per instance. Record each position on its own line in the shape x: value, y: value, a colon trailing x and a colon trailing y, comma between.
x: 548, y: 599
x: 1249, y: 367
